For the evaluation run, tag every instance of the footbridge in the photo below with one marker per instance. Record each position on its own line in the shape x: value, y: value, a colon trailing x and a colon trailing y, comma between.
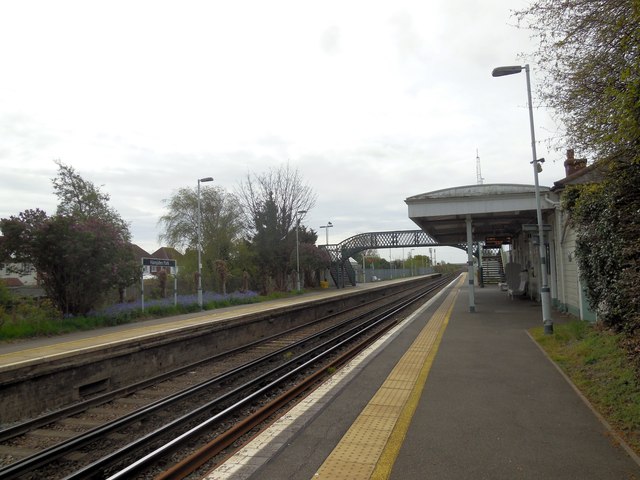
x: 341, y: 269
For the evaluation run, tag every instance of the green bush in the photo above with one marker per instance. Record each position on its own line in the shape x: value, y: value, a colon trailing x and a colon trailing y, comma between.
x: 28, y: 318
x: 5, y: 294
x: 606, y: 217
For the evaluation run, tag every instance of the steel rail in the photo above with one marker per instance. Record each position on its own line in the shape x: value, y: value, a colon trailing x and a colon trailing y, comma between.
x: 50, y: 454
x: 325, y: 348
x: 46, y: 456
x: 48, y: 418
x: 228, y: 437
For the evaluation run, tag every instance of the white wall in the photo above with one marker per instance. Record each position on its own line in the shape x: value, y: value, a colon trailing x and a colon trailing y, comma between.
x: 28, y: 280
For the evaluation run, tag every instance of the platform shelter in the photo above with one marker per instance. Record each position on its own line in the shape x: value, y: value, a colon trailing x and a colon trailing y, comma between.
x: 498, y: 216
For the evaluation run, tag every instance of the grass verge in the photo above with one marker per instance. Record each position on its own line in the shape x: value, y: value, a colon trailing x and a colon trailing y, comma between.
x: 599, y: 366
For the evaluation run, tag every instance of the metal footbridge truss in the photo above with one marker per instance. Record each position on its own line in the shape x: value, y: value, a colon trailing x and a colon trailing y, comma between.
x: 341, y: 269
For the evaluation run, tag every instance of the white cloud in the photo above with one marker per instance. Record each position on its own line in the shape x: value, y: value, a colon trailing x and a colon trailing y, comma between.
x: 372, y: 101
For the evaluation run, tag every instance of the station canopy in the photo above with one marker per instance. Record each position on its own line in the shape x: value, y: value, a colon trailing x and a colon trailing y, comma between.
x: 498, y: 212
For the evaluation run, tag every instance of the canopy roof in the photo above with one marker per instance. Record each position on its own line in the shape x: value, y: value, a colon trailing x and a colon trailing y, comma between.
x: 496, y: 210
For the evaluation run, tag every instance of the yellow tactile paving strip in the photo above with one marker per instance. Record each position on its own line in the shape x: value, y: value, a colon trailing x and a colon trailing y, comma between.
x: 370, y: 447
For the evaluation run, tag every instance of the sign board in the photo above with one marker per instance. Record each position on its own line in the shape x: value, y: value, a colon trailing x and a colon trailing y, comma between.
x: 147, y: 264
x: 497, y: 240
x: 533, y: 227
x: 158, y: 262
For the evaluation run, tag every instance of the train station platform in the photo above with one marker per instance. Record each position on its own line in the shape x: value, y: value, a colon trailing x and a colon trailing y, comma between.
x: 450, y: 394
x: 44, y: 374
x: 42, y: 349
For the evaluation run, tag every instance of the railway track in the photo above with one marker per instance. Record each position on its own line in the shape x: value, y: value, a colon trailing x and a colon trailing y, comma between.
x: 214, y: 405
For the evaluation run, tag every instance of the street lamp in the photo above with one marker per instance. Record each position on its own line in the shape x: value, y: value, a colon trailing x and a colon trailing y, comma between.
x: 545, y: 295
x: 364, y: 269
x: 200, y: 180
x: 411, y: 257
x: 327, y: 227
x: 298, y: 213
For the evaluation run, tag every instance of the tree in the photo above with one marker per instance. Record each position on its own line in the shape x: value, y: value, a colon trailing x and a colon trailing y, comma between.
x: 284, y: 188
x: 18, y: 242
x: 270, y: 202
x: 223, y: 273
x: 589, y: 52
x: 312, y: 259
x: 73, y: 256
x: 82, y: 199
x: 271, y: 244
x: 80, y: 253
x: 589, y: 56
x: 221, y: 224
x: 607, y: 216
x: 162, y: 278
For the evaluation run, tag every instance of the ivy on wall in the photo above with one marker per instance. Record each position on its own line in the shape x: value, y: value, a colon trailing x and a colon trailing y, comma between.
x: 606, y: 217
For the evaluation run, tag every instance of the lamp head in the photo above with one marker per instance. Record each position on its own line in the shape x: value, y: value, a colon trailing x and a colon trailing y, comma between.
x: 206, y: 179
x: 508, y: 70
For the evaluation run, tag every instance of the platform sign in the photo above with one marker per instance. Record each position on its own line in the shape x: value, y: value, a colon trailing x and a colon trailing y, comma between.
x: 497, y: 240
x: 158, y: 262
x: 161, y: 263
x: 533, y: 227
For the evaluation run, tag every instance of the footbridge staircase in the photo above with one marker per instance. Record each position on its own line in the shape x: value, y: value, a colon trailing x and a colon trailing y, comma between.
x: 492, y: 271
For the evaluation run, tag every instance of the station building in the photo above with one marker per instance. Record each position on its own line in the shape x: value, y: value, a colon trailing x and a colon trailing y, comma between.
x: 500, y: 220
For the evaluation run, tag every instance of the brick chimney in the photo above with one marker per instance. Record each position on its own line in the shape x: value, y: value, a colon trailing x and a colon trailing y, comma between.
x: 572, y: 164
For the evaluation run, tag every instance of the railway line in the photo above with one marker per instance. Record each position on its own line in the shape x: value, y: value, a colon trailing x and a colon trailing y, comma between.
x: 153, y: 428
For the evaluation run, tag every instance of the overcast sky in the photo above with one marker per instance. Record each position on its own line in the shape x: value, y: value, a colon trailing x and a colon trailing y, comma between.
x: 372, y: 101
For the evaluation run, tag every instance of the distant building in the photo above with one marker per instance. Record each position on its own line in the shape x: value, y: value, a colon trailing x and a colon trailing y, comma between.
x: 16, y: 275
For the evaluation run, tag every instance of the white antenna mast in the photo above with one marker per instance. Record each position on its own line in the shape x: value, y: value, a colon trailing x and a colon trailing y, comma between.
x: 479, y: 178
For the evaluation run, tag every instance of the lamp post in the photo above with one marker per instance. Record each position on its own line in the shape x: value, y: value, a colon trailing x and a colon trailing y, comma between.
x: 364, y: 270
x: 327, y: 227
x: 545, y: 295
x: 403, y: 267
x: 199, y: 241
x: 411, y: 257
x: 298, y: 213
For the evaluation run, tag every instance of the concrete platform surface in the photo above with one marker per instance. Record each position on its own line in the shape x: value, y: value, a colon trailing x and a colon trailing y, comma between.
x: 15, y: 352
x: 491, y: 406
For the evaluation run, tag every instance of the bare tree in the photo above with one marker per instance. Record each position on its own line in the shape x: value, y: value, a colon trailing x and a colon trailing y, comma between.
x: 269, y: 203
x: 283, y: 186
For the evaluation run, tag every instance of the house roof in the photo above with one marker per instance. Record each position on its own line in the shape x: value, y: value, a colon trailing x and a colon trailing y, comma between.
x: 168, y: 253
x: 589, y: 174
x: 139, y: 252
x: 12, y: 282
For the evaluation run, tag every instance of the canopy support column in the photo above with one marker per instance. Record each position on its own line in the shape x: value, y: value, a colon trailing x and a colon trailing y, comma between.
x: 471, y: 275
